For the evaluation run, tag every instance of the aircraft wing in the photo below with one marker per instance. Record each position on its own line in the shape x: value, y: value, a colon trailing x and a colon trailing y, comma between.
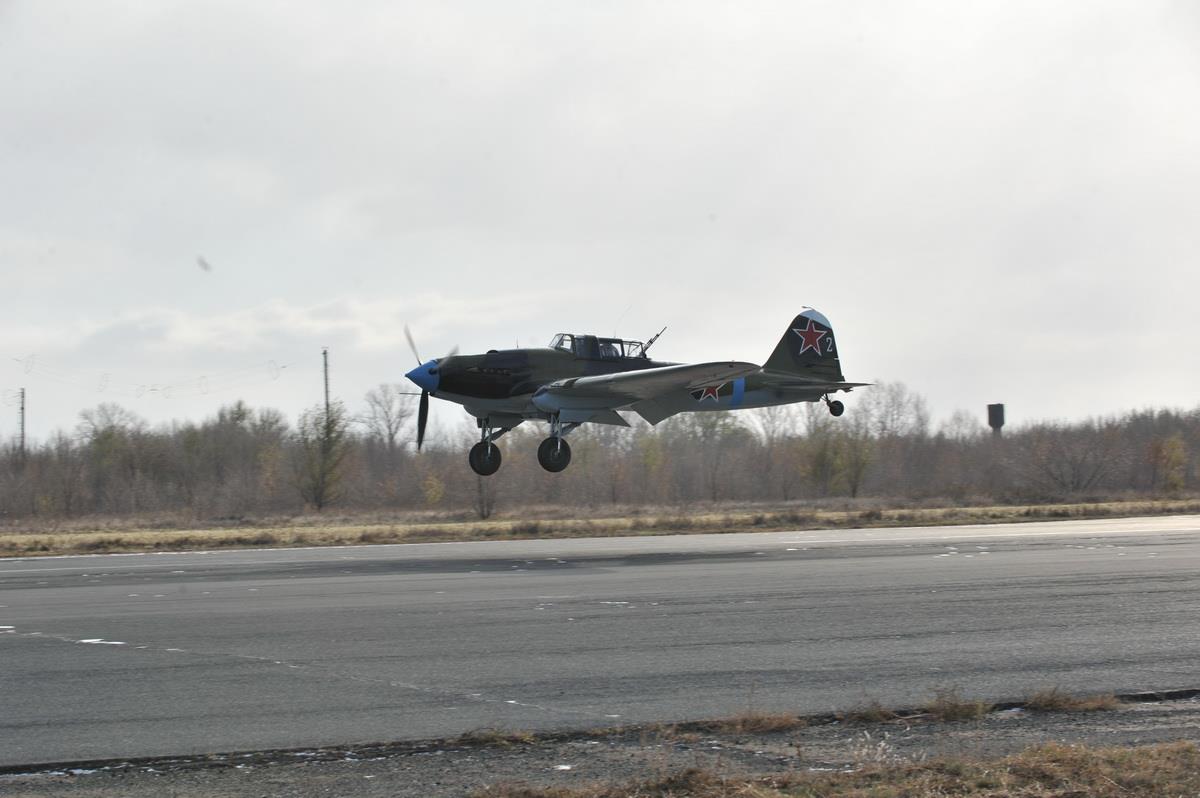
x: 625, y: 387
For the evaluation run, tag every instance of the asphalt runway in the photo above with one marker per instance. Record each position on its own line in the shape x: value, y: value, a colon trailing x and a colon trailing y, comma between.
x: 159, y: 654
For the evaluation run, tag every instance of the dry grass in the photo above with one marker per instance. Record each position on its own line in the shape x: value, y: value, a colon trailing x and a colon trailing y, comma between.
x: 1054, y: 700
x: 95, y: 536
x: 872, y: 712
x: 949, y: 705
x: 494, y: 738
x: 1048, y: 771
x: 753, y: 722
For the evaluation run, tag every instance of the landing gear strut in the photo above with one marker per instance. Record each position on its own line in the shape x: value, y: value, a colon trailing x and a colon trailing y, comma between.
x: 554, y: 454
x: 836, y: 408
x: 484, y: 456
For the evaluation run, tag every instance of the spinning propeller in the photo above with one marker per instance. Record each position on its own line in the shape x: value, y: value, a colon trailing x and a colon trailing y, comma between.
x: 425, y: 375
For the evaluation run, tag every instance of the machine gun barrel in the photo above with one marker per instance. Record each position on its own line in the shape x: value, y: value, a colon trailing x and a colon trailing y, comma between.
x: 653, y: 338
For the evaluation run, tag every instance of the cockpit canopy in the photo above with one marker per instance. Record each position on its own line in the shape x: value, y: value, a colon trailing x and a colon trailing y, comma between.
x: 594, y: 348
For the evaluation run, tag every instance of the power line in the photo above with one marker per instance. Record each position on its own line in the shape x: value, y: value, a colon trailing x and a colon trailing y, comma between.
x: 103, y: 383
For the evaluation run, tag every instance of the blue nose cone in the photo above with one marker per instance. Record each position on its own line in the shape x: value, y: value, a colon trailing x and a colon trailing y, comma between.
x: 425, y: 376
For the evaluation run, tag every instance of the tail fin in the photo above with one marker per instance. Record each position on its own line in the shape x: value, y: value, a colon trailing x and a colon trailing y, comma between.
x: 807, y: 349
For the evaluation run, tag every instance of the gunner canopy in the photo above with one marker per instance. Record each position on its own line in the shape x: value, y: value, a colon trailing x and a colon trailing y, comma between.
x: 591, y: 347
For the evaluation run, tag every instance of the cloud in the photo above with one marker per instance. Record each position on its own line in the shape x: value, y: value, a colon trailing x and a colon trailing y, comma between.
x: 989, y: 199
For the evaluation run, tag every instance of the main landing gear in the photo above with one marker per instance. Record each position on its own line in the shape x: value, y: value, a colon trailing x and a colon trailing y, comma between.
x: 554, y: 454
x: 836, y: 408
x: 484, y: 456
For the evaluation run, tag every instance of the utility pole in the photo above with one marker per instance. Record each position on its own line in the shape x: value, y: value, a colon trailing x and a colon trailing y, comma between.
x: 22, y: 425
x: 325, y: 357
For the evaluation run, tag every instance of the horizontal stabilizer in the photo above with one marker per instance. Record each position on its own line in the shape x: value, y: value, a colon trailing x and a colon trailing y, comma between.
x: 775, y: 379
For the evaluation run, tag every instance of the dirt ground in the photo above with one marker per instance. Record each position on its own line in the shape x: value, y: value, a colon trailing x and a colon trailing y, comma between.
x: 455, y: 768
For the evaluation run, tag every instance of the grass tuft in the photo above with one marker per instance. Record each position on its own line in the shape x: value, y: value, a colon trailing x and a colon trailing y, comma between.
x: 525, y: 529
x: 874, y: 712
x: 763, y: 723
x: 950, y: 705
x: 494, y: 738
x: 1054, y: 700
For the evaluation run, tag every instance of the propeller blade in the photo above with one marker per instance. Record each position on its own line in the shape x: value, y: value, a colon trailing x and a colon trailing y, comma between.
x: 453, y: 351
x: 412, y: 345
x: 422, y: 417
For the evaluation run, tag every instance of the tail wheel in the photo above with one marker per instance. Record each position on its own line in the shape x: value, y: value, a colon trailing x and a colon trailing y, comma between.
x: 484, y: 458
x: 836, y: 408
x: 554, y: 454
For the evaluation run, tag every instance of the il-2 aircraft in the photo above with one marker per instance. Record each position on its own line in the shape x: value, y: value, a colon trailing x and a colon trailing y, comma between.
x: 580, y: 379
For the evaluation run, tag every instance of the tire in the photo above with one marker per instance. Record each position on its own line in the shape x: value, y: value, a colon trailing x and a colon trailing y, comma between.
x: 554, y: 454
x: 836, y: 408
x: 484, y: 458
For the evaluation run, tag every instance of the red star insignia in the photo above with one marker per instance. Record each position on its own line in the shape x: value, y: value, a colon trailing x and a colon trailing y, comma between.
x: 811, y: 337
x: 711, y: 392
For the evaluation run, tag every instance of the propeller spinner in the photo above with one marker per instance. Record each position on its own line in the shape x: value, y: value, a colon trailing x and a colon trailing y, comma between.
x: 425, y: 375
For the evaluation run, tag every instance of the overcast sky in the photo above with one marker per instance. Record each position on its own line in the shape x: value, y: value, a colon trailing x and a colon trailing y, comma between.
x: 990, y: 201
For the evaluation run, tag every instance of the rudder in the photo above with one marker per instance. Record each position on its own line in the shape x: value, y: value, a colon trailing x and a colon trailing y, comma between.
x: 807, y: 349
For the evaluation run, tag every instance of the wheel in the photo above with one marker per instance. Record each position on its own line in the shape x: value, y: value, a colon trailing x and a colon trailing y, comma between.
x: 484, y: 458
x: 554, y: 454
x: 836, y: 408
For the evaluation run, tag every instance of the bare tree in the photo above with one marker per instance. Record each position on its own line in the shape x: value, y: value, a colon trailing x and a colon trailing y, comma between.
x: 1069, y: 460
x: 388, y: 410
x: 895, y: 410
x: 114, y: 438
x: 485, y: 497
x: 962, y: 426
x: 857, y: 451
x: 780, y: 466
